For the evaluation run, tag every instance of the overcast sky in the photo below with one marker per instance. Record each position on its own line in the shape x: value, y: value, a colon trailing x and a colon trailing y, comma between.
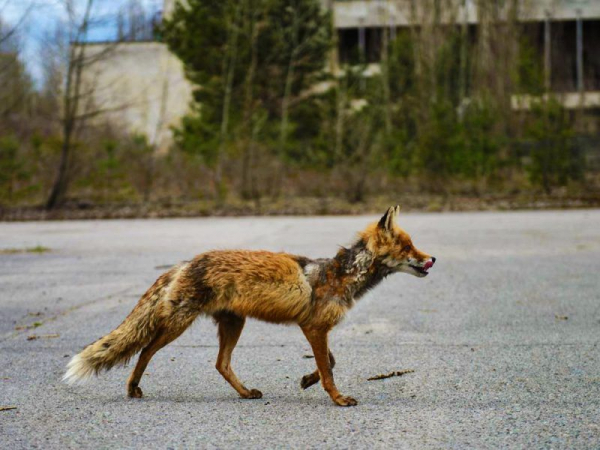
x: 38, y: 18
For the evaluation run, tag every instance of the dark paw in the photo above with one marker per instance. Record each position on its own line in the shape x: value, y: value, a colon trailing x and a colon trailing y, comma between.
x: 253, y: 393
x: 135, y: 392
x: 308, y: 380
x: 345, y: 401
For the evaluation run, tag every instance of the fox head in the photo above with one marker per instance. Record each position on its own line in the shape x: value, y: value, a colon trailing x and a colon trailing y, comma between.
x: 393, y: 246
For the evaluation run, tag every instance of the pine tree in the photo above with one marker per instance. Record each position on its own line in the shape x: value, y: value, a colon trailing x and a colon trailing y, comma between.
x: 252, y: 62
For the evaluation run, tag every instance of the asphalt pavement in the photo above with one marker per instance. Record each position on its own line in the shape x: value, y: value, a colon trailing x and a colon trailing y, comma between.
x: 502, y: 337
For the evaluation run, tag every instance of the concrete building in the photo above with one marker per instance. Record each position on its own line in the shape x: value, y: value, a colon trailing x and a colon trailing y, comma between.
x: 565, y: 34
x: 144, y: 87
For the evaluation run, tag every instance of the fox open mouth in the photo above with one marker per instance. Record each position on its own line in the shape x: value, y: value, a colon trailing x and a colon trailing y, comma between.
x: 421, y: 270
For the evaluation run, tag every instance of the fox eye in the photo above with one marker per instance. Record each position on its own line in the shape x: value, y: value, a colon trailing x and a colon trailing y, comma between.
x: 406, y: 248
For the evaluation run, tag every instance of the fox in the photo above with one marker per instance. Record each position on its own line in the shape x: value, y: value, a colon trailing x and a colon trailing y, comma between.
x: 232, y: 285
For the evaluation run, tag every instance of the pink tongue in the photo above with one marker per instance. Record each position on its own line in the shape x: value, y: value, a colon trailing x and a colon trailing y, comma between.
x: 427, y: 265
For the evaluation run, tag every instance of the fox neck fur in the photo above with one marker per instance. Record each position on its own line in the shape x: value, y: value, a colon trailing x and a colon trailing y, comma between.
x: 347, y: 276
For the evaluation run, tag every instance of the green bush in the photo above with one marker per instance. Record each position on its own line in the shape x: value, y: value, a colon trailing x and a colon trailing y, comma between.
x: 554, y: 159
x: 13, y: 171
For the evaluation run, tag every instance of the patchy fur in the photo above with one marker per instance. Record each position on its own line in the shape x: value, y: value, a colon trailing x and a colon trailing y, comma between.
x: 231, y: 285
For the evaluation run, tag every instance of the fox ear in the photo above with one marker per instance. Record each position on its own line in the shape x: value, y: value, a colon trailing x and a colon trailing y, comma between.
x: 388, y: 220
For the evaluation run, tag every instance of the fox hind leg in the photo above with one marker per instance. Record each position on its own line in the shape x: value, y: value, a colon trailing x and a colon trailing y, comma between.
x: 162, y: 338
x: 313, y: 378
x: 230, y: 329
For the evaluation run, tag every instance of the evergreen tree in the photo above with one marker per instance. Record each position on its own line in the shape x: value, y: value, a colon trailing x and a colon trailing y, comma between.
x: 253, y: 62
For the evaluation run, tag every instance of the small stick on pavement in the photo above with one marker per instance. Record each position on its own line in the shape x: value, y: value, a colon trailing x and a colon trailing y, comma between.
x: 7, y: 408
x: 391, y: 374
x: 33, y: 337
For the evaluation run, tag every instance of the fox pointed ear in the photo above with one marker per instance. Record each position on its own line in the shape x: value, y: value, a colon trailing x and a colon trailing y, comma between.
x: 388, y: 220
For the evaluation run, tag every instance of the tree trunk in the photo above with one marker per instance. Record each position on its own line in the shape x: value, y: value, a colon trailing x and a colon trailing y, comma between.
x: 71, y: 100
x: 229, y: 69
x: 285, y: 109
x: 247, y: 125
x: 59, y: 187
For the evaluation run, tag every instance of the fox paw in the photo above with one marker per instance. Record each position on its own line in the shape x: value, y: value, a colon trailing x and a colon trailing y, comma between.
x: 308, y: 380
x: 135, y: 392
x: 345, y: 401
x: 253, y: 393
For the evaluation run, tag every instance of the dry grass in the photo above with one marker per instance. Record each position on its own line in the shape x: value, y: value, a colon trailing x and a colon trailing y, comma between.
x: 295, y: 206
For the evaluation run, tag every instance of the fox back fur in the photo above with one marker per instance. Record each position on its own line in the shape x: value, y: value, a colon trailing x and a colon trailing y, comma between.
x: 230, y: 285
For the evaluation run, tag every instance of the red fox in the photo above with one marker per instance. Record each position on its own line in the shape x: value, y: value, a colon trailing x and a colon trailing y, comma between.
x: 231, y: 285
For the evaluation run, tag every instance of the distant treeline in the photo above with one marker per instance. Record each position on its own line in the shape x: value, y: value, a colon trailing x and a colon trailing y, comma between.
x: 275, y: 116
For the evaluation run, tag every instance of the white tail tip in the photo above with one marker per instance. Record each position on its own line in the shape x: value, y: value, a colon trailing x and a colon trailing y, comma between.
x: 78, y: 371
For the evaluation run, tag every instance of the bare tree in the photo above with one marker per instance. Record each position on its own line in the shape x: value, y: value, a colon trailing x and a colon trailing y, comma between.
x: 78, y: 97
x: 249, y: 123
x: 71, y: 98
x: 8, y: 32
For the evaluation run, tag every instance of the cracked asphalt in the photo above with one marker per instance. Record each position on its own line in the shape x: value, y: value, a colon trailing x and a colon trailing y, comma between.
x: 502, y: 337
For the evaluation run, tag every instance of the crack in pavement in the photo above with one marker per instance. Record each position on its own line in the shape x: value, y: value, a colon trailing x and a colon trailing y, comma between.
x: 17, y: 333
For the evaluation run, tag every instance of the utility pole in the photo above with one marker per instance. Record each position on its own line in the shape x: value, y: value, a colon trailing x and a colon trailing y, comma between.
x: 463, y: 53
x: 361, y: 50
x: 333, y: 57
x: 547, y: 53
x: 580, y: 86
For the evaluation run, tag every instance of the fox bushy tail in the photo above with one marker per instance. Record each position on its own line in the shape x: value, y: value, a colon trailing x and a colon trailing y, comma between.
x: 117, y: 347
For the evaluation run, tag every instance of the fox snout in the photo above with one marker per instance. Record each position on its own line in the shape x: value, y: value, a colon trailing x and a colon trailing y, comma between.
x: 422, y: 270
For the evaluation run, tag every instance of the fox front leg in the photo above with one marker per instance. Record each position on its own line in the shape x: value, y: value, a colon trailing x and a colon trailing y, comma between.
x: 313, y: 378
x: 318, y: 341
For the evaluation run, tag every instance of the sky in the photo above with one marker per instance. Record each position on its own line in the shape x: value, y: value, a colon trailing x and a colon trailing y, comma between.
x: 39, y: 18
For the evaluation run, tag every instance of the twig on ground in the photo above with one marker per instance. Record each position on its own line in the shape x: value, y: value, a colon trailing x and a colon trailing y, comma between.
x: 33, y: 337
x: 391, y: 374
x: 7, y: 408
